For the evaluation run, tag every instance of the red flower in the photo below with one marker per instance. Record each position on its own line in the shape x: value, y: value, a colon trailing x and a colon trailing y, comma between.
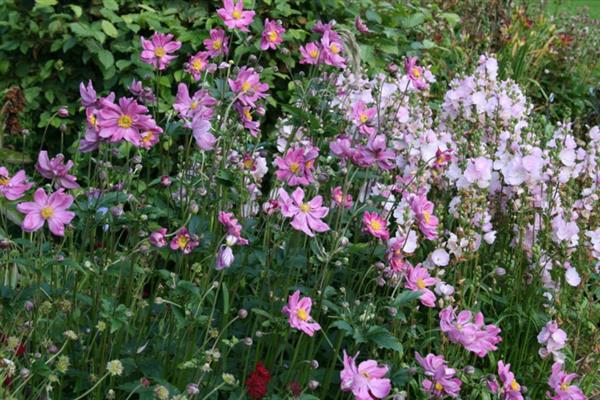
x: 257, y: 381
x: 295, y: 388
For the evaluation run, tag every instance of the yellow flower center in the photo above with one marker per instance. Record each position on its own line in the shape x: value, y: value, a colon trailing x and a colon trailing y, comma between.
x: 273, y: 36
x: 92, y: 120
x: 564, y: 387
x: 125, y: 121
x: 313, y: 53
x: 294, y: 167
x: 438, y: 387
x: 426, y: 216
x: 160, y: 52
x: 309, y: 164
x: 459, y: 326
x: 302, y: 314
x: 236, y: 14
x: 248, y: 163
x: 4, y: 181
x: 363, y: 118
x: 182, y: 242
x: 365, y: 374
x: 197, y: 65
x: 247, y: 114
x: 47, y: 212
x: 514, y: 385
x: 334, y: 48
x: 421, y: 284
x: 246, y: 86
x: 416, y: 72
x: 194, y: 105
x: 375, y: 225
x: 305, y: 207
x: 147, y: 136
x: 217, y: 44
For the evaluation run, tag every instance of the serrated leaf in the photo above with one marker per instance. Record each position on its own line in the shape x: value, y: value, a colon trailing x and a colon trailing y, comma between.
x: 451, y: 18
x: 412, y: 20
x: 383, y: 338
x: 343, y: 325
x: 405, y: 297
x: 109, y: 28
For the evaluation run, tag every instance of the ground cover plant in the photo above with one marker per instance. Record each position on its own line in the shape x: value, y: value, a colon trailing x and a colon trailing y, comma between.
x: 381, y: 233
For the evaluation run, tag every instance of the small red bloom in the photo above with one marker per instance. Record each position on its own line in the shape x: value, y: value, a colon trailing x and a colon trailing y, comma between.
x: 257, y: 382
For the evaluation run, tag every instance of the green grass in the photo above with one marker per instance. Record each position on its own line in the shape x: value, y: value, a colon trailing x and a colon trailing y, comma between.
x: 574, y: 7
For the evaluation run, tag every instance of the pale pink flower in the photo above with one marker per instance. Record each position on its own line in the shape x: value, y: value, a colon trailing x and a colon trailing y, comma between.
x: 362, y: 117
x: 225, y: 258
x: 375, y: 225
x: 198, y: 105
x: 470, y: 332
x: 201, y: 132
x: 560, y: 382
x: 197, y: 64
x: 337, y: 195
x: 441, y: 380
x: 271, y: 36
x: 157, y: 51
x: 56, y: 170
x: 417, y: 280
x: 232, y: 226
x: 331, y: 49
x: 124, y: 121
x: 158, y: 238
x: 14, y: 187
x: 88, y: 94
x: 306, y: 216
x: 296, y: 166
x: 184, y: 242
x: 360, y: 25
x: 311, y: 53
x: 423, y: 210
x: 479, y: 171
x: 247, y: 87
x: 415, y: 73
x: 366, y: 381
x: 511, y: 389
x: 554, y: 339
x: 216, y: 44
x: 234, y: 16
x: 298, y: 311
x: 44, y: 208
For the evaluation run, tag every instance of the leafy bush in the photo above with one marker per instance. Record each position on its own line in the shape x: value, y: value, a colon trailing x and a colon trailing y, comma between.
x: 239, y: 229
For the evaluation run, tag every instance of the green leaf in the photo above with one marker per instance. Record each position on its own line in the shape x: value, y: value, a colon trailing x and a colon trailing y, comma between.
x: 451, y: 18
x: 372, y: 15
x: 383, y: 338
x: 343, y: 325
x: 412, y: 21
x: 405, y: 297
x: 109, y: 28
x: 80, y: 30
x: 106, y: 58
x: 46, y: 3
x: 111, y: 4
x: 78, y: 11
